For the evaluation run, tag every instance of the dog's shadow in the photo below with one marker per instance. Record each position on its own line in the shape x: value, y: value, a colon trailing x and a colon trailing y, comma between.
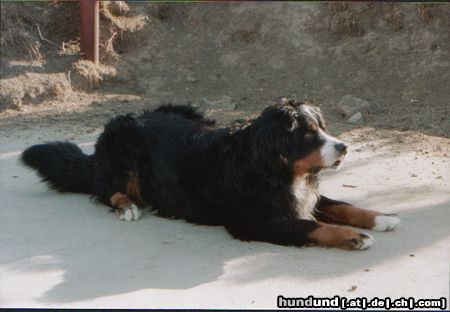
x: 92, y: 254
x: 166, y: 254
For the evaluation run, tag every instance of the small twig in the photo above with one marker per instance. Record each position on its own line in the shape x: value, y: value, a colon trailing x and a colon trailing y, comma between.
x: 108, y: 42
x: 42, y: 38
x: 70, y: 86
x: 348, y: 185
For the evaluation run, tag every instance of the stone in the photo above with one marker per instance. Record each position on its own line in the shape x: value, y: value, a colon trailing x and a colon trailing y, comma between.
x: 350, y: 105
x: 355, y: 118
x: 191, y: 79
x: 225, y: 101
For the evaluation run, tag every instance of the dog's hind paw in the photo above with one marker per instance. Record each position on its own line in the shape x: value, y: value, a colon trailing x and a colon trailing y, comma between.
x: 128, y: 214
x: 387, y: 222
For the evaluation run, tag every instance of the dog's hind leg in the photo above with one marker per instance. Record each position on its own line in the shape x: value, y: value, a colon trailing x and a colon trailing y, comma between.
x: 127, y: 204
x: 117, y: 181
x: 124, y: 208
x: 333, y: 211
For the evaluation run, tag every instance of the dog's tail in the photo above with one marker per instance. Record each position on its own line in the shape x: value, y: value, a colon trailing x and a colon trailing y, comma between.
x: 62, y: 165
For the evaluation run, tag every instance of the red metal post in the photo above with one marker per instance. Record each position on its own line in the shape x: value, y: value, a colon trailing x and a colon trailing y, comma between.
x: 89, y: 29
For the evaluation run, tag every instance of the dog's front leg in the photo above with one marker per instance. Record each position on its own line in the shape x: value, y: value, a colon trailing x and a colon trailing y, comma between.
x: 329, y: 210
x: 299, y: 232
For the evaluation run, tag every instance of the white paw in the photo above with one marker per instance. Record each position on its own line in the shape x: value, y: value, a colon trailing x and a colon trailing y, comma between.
x: 366, y: 240
x: 386, y: 223
x: 137, y: 212
x: 132, y: 213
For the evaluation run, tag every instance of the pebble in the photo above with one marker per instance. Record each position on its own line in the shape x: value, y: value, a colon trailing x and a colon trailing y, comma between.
x: 191, y: 79
x: 350, y: 105
x: 225, y: 101
x: 355, y: 118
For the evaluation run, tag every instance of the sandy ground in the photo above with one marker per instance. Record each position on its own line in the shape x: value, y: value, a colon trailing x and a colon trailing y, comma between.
x: 61, y: 250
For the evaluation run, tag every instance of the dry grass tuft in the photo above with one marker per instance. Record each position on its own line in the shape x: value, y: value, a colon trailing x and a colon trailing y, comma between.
x: 115, y: 7
x: 161, y: 11
x: 347, y: 18
x: 424, y: 12
x: 429, y: 12
x: 88, y: 71
x: 19, y: 35
x: 87, y: 74
x: 71, y: 47
x: 394, y: 19
x: 351, y: 25
x: 339, y: 6
x: 116, y: 26
x: 108, y: 48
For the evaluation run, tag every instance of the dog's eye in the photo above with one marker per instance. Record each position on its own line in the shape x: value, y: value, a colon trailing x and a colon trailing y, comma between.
x: 296, y: 114
x: 311, y: 132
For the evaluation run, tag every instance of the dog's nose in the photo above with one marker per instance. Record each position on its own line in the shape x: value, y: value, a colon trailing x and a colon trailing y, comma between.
x: 341, y: 148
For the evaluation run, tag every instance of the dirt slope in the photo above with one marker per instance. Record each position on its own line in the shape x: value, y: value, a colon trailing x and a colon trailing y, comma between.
x: 237, y: 58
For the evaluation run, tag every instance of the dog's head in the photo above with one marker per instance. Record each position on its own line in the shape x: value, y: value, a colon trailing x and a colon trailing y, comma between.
x: 295, y: 133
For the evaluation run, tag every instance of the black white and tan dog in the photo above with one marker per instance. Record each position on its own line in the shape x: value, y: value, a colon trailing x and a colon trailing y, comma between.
x: 258, y: 179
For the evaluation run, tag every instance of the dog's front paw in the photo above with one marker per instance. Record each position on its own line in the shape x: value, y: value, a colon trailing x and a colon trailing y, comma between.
x: 360, y: 242
x: 131, y: 213
x: 328, y: 235
x: 387, y: 222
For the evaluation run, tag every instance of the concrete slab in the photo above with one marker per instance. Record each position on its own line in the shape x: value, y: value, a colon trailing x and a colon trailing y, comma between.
x: 61, y: 250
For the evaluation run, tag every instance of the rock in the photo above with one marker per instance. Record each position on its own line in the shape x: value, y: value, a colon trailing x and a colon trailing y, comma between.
x: 350, y: 105
x: 191, y: 79
x: 225, y: 101
x: 356, y: 118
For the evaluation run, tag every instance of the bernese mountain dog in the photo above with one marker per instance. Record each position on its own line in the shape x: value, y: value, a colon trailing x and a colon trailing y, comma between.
x: 258, y: 179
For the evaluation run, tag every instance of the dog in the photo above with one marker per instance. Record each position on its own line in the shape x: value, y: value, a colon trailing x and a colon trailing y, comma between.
x: 258, y: 179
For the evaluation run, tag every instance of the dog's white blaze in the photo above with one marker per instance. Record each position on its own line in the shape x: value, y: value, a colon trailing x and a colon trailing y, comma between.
x: 328, y: 151
x: 306, y: 198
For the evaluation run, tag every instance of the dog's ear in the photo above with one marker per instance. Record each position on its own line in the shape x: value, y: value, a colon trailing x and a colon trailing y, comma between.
x: 271, y: 139
x: 280, y: 115
x: 284, y: 101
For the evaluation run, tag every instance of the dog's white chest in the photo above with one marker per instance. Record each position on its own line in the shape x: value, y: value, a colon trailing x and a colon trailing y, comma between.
x: 306, y: 198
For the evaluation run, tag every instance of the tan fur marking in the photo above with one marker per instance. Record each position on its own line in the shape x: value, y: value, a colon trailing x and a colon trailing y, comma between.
x: 133, y: 194
x: 305, y: 165
x: 334, y: 236
x: 134, y: 191
x: 313, y: 127
x: 348, y: 214
x: 120, y: 200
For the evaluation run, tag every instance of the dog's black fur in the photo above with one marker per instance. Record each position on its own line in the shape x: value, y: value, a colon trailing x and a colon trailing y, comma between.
x: 239, y: 177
